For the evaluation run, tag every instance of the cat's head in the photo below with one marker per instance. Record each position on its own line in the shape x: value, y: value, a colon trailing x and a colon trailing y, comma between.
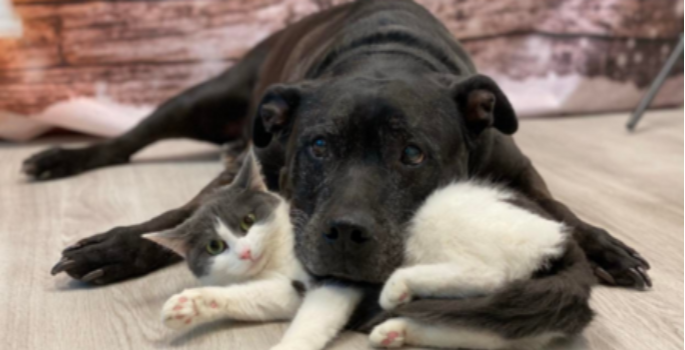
x: 229, y: 238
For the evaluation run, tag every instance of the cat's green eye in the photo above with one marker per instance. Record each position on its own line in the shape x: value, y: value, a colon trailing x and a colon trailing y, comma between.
x: 247, y: 222
x: 216, y: 246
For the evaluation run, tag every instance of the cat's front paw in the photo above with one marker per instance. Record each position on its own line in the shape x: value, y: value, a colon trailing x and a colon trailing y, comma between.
x: 187, y: 309
x: 395, y: 292
x: 389, y: 334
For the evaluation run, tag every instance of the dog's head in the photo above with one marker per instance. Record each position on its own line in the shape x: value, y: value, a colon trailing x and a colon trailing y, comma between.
x: 362, y: 154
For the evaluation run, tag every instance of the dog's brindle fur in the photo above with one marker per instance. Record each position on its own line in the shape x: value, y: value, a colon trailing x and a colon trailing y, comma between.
x: 371, y: 78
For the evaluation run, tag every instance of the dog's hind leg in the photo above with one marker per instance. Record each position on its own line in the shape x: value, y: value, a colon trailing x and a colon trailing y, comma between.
x: 215, y: 111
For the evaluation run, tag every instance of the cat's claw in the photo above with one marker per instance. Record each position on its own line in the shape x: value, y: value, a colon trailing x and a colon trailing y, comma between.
x: 395, y: 292
x: 389, y: 334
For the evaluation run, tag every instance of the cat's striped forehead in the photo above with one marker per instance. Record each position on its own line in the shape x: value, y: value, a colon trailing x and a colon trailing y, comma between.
x: 224, y: 232
x: 232, y: 208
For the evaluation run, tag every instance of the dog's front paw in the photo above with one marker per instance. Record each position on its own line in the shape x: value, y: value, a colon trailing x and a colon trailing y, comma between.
x: 389, y: 334
x: 189, y: 308
x: 113, y: 256
x: 395, y: 292
x: 615, y: 263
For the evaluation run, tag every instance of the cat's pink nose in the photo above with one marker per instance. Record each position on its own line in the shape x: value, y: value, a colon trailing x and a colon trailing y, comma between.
x: 246, y: 255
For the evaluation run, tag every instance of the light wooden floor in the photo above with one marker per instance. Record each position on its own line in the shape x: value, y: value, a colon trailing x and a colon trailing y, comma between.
x: 629, y: 184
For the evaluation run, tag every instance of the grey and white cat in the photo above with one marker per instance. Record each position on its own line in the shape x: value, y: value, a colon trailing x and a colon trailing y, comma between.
x: 240, y: 245
x: 516, y: 279
x: 495, y: 270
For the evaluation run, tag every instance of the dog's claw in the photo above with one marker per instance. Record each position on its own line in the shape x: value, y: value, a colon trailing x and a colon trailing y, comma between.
x: 28, y: 169
x: 605, y: 276
x: 62, y: 265
x: 93, y: 275
x: 639, y: 280
x: 74, y: 246
x: 642, y: 260
x: 643, y: 274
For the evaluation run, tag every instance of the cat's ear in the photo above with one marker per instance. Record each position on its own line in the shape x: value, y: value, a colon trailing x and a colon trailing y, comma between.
x: 173, y: 239
x: 250, y: 175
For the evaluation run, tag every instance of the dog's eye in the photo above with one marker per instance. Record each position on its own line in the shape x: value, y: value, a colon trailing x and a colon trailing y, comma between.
x: 412, y: 155
x: 216, y: 246
x: 247, y: 222
x: 319, y: 148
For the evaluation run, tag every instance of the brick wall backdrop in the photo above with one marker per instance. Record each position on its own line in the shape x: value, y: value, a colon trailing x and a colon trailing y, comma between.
x: 551, y: 56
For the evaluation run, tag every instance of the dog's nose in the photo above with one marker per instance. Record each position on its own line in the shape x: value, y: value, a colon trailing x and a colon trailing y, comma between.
x: 346, y: 230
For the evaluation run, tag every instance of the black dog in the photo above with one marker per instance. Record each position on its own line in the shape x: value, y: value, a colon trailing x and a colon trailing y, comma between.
x: 361, y: 111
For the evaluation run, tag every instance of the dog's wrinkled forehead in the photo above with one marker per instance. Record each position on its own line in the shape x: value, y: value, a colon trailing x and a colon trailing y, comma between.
x: 362, y: 153
x: 368, y: 108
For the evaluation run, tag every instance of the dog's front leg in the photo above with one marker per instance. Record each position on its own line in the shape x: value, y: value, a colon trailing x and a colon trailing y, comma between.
x: 122, y: 253
x: 614, y: 262
x: 498, y: 157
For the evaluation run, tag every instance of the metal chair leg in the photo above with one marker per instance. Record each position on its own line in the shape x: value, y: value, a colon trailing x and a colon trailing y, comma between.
x: 656, y: 85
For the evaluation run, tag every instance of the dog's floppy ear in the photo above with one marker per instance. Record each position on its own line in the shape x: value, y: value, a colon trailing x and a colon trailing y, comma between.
x: 275, y: 112
x: 483, y: 104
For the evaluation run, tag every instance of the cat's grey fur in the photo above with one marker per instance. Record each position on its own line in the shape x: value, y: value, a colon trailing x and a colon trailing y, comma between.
x: 542, y: 291
x: 266, y: 284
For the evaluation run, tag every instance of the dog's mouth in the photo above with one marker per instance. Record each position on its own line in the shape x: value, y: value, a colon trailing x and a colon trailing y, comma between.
x: 367, y: 264
x: 347, y: 280
x: 337, y: 252
x: 344, y: 276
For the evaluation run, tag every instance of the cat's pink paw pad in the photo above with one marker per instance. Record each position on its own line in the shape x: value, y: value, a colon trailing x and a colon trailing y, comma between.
x: 395, y: 292
x: 390, y: 338
x: 389, y: 334
x: 180, y: 310
x: 190, y: 308
x: 404, y: 297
